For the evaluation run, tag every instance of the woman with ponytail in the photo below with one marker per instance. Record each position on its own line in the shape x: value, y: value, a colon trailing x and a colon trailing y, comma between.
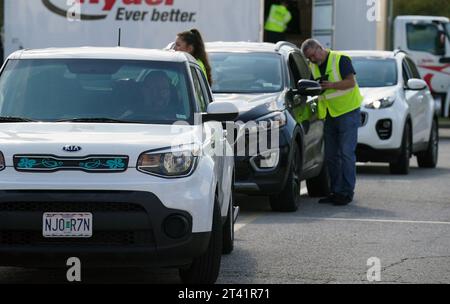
x: 192, y: 42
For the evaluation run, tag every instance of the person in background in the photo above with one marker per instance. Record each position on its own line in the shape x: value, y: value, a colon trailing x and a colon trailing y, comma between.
x: 276, y: 24
x: 339, y: 105
x: 192, y: 42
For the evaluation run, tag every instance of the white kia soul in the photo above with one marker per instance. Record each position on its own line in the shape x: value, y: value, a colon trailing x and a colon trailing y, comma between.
x: 91, y: 165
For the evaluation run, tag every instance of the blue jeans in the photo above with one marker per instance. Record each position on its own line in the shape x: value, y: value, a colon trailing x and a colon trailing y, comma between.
x: 341, y: 138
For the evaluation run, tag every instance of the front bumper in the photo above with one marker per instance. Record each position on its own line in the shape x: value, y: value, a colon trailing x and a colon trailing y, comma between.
x: 251, y: 180
x: 129, y: 229
x: 373, y: 143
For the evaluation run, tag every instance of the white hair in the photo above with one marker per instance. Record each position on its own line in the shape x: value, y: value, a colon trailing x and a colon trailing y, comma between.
x: 310, y: 44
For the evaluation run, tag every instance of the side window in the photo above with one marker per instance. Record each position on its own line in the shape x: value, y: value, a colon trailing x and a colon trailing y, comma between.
x: 424, y: 38
x: 205, y: 87
x: 294, y: 71
x: 303, y: 67
x: 406, y: 72
x: 199, y: 95
x: 413, y: 68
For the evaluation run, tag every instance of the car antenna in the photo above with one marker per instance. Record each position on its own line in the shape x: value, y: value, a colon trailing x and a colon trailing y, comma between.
x: 120, y: 34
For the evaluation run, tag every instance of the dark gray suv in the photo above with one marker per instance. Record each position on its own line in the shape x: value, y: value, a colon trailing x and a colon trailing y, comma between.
x: 270, y: 83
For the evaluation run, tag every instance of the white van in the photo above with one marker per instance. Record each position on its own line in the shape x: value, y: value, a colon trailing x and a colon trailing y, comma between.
x: 427, y: 40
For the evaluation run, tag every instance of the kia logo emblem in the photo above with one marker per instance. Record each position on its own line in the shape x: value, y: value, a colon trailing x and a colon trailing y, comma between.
x: 69, y: 148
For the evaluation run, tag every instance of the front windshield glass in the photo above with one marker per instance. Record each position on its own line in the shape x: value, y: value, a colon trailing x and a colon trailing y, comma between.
x: 246, y: 72
x: 63, y: 89
x: 375, y: 72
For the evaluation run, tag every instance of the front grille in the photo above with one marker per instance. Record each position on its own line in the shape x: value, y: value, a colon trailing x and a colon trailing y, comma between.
x: 109, y: 238
x: 69, y: 207
x: 50, y: 163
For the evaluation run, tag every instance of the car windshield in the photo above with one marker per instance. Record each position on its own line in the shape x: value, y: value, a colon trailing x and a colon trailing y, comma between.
x: 375, y: 72
x: 92, y: 89
x: 246, y: 72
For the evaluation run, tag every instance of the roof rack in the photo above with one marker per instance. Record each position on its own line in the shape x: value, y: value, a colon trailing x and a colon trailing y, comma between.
x: 280, y: 44
x: 398, y: 51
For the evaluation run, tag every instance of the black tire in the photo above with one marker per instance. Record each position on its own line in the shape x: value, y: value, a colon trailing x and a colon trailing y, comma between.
x: 205, y: 269
x: 429, y: 158
x: 288, y: 199
x: 228, y: 228
x: 319, y: 186
x: 401, y: 165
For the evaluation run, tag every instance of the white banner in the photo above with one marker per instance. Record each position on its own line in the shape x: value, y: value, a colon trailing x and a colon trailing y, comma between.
x: 143, y: 23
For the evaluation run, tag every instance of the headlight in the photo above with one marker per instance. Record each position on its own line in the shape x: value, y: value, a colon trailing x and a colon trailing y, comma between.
x: 274, y: 120
x: 381, y: 103
x: 168, y: 164
x: 2, y: 162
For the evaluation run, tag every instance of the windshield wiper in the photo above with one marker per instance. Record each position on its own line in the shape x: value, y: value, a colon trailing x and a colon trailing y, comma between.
x: 95, y: 120
x: 15, y: 119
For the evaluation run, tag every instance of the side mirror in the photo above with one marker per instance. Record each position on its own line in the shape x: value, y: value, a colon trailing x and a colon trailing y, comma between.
x: 416, y: 84
x: 309, y: 88
x: 221, y: 112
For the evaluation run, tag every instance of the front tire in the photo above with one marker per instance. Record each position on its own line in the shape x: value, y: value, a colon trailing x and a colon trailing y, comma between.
x: 429, y: 158
x: 205, y: 269
x: 288, y: 199
x: 401, y: 165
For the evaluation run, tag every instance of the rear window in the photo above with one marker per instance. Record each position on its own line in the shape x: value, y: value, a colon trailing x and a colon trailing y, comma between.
x: 246, y: 72
x: 59, y: 89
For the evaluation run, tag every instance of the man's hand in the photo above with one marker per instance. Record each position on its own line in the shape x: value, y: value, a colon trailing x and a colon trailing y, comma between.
x: 347, y: 83
x: 326, y: 85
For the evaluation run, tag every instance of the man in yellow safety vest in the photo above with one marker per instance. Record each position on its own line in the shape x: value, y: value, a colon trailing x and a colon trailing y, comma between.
x: 340, y: 106
x: 276, y: 24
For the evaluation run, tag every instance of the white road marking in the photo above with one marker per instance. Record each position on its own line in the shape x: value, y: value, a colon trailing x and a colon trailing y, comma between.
x: 251, y: 217
x: 375, y: 220
x: 246, y: 220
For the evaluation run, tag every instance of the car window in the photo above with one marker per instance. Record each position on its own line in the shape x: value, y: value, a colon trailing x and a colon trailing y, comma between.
x: 303, y: 68
x: 199, y: 94
x: 375, y: 72
x: 58, y: 89
x: 407, y: 75
x: 205, y: 86
x: 424, y: 38
x: 246, y: 72
x: 296, y: 76
x: 413, y: 68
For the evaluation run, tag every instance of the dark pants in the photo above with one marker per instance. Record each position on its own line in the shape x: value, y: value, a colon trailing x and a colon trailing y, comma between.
x: 341, y: 138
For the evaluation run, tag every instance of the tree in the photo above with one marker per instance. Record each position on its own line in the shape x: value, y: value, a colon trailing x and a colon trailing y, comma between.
x: 421, y: 7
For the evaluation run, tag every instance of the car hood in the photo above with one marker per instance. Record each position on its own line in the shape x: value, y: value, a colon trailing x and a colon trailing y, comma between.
x: 373, y: 94
x: 252, y: 106
x: 94, y: 139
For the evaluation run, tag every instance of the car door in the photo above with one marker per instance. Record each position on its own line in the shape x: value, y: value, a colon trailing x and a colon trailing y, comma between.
x: 424, y: 118
x: 305, y: 112
x: 413, y: 100
x: 217, y: 140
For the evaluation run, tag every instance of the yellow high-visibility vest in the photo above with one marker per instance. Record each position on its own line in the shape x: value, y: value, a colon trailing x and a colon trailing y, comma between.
x: 337, y: 102
x: 278, y: 19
